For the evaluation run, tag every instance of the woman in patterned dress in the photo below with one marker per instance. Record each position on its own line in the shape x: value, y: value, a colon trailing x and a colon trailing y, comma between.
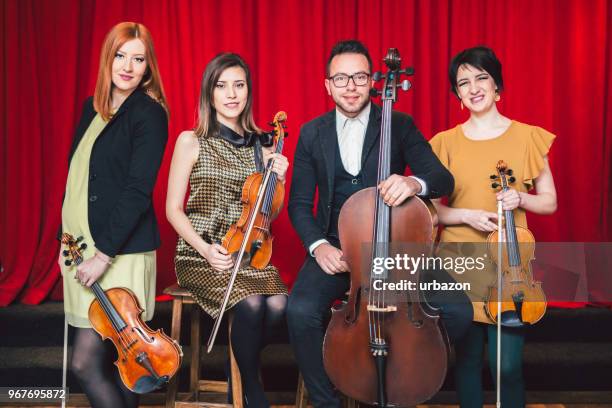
x: 470, y: 151
x: 114, y: 160
x: 214, y: 160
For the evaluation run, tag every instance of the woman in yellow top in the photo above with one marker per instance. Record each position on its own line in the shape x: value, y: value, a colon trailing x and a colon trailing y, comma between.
x: 115, y: 156
x: 470, y: 151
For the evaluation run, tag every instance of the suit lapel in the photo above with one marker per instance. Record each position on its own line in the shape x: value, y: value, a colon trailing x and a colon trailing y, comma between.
x: 328, y: 136
x: 124, y: 107
x: 372, y: 133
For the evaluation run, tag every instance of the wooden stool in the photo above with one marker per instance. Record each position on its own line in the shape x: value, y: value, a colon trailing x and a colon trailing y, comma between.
x: 301, y: 396
x: 181, y: 296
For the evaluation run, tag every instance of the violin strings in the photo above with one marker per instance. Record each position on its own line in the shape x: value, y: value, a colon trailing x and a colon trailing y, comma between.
x: 124, y: 344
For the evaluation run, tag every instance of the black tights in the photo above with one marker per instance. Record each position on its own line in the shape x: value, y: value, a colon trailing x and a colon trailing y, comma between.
x: 92, y: 364
x: 257, y: 320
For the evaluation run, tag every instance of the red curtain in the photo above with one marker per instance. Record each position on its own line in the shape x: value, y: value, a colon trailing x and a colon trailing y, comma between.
x: 556, y: 54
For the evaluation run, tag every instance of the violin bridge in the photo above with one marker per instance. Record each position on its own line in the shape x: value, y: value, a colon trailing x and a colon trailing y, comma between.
x: 386, y: 309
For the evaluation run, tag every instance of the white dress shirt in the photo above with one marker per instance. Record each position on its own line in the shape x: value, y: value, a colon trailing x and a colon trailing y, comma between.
x: 351, y: 135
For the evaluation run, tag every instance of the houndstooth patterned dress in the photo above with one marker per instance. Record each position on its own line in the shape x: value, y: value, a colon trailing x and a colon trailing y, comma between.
x: 214, y: 204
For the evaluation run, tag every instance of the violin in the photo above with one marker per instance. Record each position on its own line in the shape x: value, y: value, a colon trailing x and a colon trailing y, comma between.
x: 249, y: 239
x: 258, y: 242
x: 147, y: 359
x: 523, y: 299
x: 395, y: 347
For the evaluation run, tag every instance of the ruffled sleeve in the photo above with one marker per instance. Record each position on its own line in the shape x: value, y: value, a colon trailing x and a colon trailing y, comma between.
x: 439, y: 147
x: 538, y: 145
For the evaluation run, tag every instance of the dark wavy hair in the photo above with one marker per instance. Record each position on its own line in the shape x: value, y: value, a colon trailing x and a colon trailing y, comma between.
x: 480, y: 57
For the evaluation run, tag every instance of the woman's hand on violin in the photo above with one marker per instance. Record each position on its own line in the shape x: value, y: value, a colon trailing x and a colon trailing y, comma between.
x: 218, y: 257
x: 396, y: 189
x: 481, y: 220
x: 510, y: 199
x: 280, y: 165
x: 92, y: 269
x: 329, y: 259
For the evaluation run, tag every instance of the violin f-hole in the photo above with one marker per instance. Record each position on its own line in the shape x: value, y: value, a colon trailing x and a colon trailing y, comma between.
x: 146, y: 338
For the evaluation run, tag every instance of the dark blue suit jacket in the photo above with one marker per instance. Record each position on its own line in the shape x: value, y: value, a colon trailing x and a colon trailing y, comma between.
x: 314, y: 161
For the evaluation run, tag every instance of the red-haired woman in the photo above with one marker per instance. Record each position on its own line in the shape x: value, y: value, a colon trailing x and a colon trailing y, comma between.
x: 115, y: 156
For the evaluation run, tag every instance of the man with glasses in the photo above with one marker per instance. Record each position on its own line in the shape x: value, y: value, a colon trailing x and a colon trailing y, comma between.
x: 337, y: 153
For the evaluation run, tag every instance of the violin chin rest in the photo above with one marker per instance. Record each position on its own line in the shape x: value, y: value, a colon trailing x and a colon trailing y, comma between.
x: 148, y: 383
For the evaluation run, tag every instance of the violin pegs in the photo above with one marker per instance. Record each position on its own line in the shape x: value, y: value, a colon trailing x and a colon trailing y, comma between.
x: 68, y: 262
x: 79, y: 239
x: 65, y: 252
x: 493, y: 176
x: 512, y: 179
x: 509, y: 172
x: 377, y: 76
x: 83, y: 246
x: 495, y: 185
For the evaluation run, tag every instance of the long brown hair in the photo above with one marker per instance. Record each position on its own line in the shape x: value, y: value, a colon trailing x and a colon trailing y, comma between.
x: 151, y: 82
x: 207, y: 124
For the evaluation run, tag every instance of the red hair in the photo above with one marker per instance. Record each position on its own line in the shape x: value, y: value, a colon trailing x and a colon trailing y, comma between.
x: 151, y: 81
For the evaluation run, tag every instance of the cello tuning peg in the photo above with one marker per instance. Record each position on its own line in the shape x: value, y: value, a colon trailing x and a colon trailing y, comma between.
x: 509, y: 172
x: 512, y: 179
x: 377, y: 76
x: 495, y: 185
x: 83, y: 246
x: 79, y: 239
x: 405, y: 85
x: 67, y: 262
x: 493, y: 176
x: 375, y: 92
x: 65, y: 252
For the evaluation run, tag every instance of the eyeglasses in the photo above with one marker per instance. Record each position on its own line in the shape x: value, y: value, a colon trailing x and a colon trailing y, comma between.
x: 342, y: 80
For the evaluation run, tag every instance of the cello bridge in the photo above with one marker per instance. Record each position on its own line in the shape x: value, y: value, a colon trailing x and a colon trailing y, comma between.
x: 386, y: 309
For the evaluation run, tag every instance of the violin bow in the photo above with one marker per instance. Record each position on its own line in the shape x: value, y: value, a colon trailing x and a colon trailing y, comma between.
x: 500, y: 231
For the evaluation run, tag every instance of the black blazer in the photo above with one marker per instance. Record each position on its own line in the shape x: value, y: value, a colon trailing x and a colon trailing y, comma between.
x: 123, y: 168
x: 314, y: 163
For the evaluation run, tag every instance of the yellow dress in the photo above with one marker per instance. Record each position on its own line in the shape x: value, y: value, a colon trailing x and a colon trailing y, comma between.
x: 471, y: 162
x: 133, y: 271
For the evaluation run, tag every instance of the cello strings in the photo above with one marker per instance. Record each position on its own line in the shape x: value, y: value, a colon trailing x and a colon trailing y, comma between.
x: 386, y: 209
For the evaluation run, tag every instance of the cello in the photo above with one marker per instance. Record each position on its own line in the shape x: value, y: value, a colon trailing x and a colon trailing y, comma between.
x: 395, y: 347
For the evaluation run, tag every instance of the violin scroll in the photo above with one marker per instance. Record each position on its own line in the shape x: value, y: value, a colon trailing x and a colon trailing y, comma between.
x: 503, y: 177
